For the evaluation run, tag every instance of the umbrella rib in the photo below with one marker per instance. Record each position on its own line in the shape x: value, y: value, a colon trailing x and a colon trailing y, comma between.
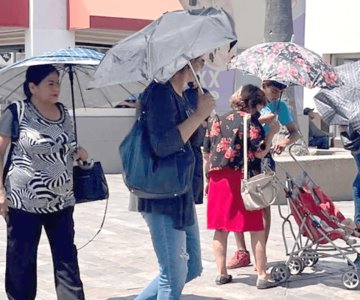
x: 10, y: 79
x: 13, y: 91
x: 78, y: 82
x: 85, y: 71
x: 126, y: 90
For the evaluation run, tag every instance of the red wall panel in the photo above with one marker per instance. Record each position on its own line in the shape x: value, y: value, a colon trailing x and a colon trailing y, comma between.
x: 14, y: 13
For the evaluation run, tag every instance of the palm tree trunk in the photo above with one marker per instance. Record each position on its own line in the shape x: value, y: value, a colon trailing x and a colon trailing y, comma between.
x: 279, y: 28
x: 278, y: 21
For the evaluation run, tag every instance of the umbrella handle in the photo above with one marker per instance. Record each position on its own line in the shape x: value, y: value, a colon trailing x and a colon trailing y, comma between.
x: 213, y: 113
x: 195, y: 77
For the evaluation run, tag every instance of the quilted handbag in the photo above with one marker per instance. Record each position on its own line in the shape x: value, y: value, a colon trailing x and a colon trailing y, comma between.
x: 259, y: 191
x: 149, y: 176
x: 89, y: 182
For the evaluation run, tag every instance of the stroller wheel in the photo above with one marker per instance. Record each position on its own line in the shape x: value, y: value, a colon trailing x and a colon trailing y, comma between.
x: 351, y: 280
x: 280, y: 273
x: 296, y: 266
x: 309, y: 257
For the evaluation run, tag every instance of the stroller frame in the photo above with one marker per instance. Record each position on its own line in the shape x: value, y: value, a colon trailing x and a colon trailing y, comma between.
x: 315, y: 239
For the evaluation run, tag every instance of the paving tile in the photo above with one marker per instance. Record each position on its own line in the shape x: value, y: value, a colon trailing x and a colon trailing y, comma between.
x: 120, y: 261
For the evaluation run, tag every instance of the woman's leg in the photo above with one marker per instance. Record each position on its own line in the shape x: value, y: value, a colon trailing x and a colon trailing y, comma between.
x: 193, y: 249
x: 267, y: 221
x: 258, y: 246
x: 23, y: 235
x: 170, y: 248
x: 59, y: 228
x: 220, y: 248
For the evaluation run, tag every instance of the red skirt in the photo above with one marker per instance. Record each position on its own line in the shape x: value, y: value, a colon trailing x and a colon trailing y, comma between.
x: 225, y: 207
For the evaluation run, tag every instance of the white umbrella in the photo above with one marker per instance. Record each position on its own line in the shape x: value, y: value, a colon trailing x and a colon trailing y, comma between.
x: 76, y: 67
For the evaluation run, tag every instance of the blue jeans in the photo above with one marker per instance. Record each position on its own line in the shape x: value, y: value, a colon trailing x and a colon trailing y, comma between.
x: 356, y: 190
x: 321, y: 142
x: 179, y: 257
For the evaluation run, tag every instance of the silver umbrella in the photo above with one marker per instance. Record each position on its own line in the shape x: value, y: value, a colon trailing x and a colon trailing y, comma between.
x: 341, y: 105
x: 76, y: 67
x: 165, y: 46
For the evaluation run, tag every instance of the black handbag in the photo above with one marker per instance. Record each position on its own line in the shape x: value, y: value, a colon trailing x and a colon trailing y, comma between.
x: 89, y: 182
x: 149, y: 176
x: 350, y: 143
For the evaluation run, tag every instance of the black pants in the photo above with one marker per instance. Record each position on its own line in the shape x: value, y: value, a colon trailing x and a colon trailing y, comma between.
x: 23, y: 235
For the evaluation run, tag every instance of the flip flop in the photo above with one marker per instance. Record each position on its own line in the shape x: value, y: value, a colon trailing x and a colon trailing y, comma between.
x: 266, y: 283
x: 223, y: 279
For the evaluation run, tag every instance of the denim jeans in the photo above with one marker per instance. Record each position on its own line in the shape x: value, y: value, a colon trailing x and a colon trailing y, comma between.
x: 321, y: 142
x: 356, y: 190
x: 179, y: 257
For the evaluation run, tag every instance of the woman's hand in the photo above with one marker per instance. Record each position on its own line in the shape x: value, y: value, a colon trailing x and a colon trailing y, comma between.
x: 3, y: 204
x: 205, y: 105
x: 81, y: 154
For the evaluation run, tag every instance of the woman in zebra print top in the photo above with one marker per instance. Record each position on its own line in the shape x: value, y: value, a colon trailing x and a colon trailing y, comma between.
x: 38, y: 187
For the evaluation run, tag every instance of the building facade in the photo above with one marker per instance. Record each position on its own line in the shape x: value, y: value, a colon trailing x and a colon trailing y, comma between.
x: 30, y: 27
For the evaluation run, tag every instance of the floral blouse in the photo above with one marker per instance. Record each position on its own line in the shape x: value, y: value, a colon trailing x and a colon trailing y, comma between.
x: 224, y: 141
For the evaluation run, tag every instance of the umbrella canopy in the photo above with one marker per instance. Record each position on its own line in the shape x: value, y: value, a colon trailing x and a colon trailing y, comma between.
x: 218, y: 58
x: 165, y: 46
x: 81, y: 63
x: 288, y: 63
x: 341, y: 105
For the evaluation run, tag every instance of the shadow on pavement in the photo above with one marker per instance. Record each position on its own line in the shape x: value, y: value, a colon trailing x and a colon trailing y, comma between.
x: 324, y: 272
x: 183, y: 297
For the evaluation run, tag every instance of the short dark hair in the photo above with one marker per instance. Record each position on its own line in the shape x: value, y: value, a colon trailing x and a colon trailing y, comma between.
x: 308, y: 110
x: 276, y: 84
x: 36, y: 74
x: 192, y: 83
x: 247, y: 97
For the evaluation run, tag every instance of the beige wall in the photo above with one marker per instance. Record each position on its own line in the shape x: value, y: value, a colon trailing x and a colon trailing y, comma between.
x: 100, y: 131
x: 334, y: 173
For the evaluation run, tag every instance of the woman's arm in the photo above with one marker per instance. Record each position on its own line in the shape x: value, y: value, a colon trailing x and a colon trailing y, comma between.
x: 4, y: 144
x: 274, y: 128
x: 166, y: 135
x: 204, y: 108
x: 267, y: 118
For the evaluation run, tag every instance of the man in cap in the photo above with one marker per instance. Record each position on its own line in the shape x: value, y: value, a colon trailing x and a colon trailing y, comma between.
x: 275, y: 110
x: 317, y: 137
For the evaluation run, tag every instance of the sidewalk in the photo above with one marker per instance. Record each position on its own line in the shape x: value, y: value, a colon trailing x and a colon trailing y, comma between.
x: 120, y: 261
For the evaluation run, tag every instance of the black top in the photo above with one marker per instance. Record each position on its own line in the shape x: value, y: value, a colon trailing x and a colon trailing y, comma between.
x: 165, y: 110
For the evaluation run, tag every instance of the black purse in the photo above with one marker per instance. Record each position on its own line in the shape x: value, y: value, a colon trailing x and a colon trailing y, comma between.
x: 350, y: 143
x: 149, y: 176
x: 89, y: 182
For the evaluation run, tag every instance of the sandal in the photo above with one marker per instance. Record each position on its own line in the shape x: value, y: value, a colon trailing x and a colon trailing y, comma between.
x: 223, y: 279
x: 266, y: 283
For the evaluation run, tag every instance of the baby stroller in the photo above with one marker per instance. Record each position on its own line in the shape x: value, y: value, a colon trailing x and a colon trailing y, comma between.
x: 320, y: 226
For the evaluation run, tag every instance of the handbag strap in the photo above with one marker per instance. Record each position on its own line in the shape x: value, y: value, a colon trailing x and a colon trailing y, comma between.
x: 245, y: 157
x: 101, y: 226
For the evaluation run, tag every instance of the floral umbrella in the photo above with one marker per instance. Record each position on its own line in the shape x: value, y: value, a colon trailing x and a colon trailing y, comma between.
x: 288, y: 63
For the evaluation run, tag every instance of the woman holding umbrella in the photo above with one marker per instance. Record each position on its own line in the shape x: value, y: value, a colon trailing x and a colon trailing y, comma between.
x: 172, y: 222
x: 38, y: 190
